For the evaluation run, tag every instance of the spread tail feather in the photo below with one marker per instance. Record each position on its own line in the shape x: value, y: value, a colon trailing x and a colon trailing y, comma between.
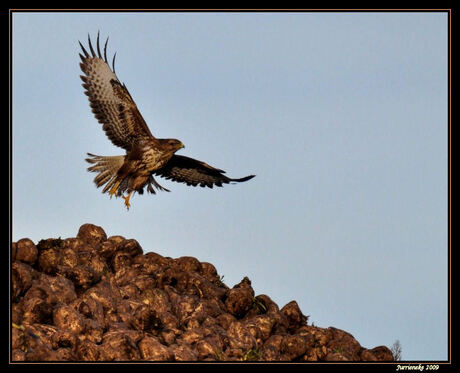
x: 107, y: 168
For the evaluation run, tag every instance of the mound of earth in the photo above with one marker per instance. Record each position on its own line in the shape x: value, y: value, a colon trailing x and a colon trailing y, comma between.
x: 99, y: 298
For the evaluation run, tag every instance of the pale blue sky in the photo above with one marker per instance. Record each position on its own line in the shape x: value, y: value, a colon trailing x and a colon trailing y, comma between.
x: 342, y: 117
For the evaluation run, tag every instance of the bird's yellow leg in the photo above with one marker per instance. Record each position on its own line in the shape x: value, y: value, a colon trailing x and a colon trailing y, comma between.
x: 113, y: 190
x: 127, y: 204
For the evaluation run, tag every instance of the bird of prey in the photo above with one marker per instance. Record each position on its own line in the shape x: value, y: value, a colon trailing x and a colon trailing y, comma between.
x: 145, y: 155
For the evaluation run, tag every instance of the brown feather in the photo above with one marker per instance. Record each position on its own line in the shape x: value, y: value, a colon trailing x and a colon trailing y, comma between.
x: 110, y: 101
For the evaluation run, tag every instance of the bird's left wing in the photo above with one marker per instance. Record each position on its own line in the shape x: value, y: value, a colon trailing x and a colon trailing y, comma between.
x: 110, y: 100
x: 193, y: 172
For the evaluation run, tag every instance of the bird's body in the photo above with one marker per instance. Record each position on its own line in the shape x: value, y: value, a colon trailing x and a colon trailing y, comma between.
x: 123, y: 124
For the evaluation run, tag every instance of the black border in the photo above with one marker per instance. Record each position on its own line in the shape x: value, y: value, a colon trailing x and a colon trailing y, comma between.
x: 356, y: 365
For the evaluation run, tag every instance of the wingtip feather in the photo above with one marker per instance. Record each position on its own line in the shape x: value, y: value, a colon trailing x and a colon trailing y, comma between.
x: 97, y: 45
x: 83, y: 49
x: 246, y: 178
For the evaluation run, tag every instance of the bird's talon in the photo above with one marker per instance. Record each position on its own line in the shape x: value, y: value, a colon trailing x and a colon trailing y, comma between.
x: 127, y: 204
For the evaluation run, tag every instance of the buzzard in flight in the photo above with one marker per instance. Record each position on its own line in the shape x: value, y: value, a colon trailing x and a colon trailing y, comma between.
x: 124, y: 125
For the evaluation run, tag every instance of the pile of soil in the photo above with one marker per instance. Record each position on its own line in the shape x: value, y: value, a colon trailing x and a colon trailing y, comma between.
x: 99, y: 298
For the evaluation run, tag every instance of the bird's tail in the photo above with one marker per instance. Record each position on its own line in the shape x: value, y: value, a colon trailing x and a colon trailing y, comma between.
x: 107, y: 168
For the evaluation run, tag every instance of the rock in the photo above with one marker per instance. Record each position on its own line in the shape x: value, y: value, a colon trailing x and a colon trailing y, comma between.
x: 144, y: 318
x: 18, y: 339
x: 240, y: 337
x: 22, y: 275
x: 94, y: 330
x: 265, y: 325
x: 131, y: 247
x: 225, y: 319
x: 293, y: 346
x: 92, y: 235
x: 93, y: 298
x: 50, y: 243
x: 208, y: 348
x: 382, y: 353
x: 108, y: 248
x: 343, y: 343
x: 183, y: 353
x: 151, y: 349
x: 121, y: 260
x: 188, y: 264
x: 294, y: 316
x: 335, y: 356
x: 64, y: 338
x: 18, y: 355
x: 36, y: 311
x: 119, y: 346
x: 239, y: 301
x: 75, y: 244
x: 209, y: 271
x: 271, y: 349
x: 67, y: 318
x: 26, y: 251
x: 49, y: 260
x: 88, y: 351
x: 82, y: 276
x: 14, y: 248
x: 94, y: 261
x: 367, y: 355
x: 69, y: 257
x: 89, y: 308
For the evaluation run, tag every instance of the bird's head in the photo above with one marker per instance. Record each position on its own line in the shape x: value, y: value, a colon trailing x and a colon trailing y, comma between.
x: 172, y: 145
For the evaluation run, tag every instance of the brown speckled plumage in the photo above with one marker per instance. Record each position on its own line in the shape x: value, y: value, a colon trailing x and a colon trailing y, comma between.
x: 146, y: 156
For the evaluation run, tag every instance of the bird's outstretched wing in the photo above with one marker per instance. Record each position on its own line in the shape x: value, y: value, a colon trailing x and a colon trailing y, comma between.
x: 193, y: 172
x: 110, y: 100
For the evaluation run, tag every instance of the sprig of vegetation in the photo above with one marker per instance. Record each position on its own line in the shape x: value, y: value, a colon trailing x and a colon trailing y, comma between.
x: 252, y: 355
x: 259, y: 305
x: 396, y: 350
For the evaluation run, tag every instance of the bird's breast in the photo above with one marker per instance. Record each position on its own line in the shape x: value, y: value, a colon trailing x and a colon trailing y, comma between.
x: 154, y: 158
